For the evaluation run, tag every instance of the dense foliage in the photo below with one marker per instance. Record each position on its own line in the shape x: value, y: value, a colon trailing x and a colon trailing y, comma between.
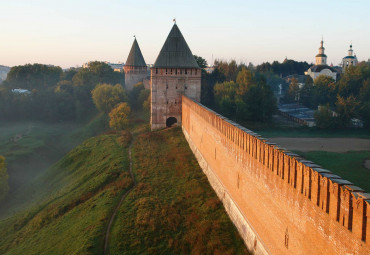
x: 288, y: 67
x: 3, y: 179
x: 237, y: 92
x: 52, y: 94
x: 348, y: 97
x: 106, y: 96
x: 119, y: 116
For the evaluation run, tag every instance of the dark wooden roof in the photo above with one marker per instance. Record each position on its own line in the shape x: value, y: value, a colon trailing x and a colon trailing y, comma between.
x: 175, y: 52
x: 319, y: 68
x: 135, y: 58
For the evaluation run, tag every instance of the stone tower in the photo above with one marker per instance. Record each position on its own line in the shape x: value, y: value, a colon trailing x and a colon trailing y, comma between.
x: 175, y: 73
x: 321, y: 57
x: 135, y: 67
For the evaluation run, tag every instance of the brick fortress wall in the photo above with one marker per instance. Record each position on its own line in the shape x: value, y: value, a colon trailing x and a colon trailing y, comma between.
x: 280, y: 203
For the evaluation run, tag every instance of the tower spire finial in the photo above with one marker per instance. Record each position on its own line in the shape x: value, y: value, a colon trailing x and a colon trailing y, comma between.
x: 174, y: 20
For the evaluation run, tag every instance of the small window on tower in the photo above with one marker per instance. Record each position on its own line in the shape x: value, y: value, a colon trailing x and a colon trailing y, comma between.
x: 186, y: 87
x: 186, y: 71
x: 156, y: 71
x: 166, y: 70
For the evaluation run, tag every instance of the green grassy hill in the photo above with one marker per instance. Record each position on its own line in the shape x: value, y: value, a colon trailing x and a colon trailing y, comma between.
x: 171, y: 210
x: 80, y: 192
x: 30, y: 148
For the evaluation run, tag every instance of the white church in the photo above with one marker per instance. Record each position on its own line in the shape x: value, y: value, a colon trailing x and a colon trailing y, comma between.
x: 321, y: 68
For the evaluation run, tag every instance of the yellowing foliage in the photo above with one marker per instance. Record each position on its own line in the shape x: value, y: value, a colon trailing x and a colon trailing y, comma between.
x: 119, y: 116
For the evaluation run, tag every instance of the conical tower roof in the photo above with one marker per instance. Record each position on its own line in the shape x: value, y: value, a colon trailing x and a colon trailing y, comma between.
x: 175, y: 52
x: 135, y: 58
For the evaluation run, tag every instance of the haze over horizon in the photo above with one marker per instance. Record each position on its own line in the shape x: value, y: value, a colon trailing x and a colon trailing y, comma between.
x: 70, y: 33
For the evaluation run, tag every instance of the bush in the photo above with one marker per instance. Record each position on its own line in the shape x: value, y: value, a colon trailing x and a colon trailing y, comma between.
x: 119, y: 116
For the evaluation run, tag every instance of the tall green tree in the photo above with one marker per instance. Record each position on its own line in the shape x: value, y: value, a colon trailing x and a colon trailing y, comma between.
x: 294, y: 91
x: 325, y: 90
x: 106, y: 96
x: 202, y: 63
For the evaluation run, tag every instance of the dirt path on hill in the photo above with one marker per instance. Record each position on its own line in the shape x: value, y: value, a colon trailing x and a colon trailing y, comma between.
x: 106, y: 242
x: 322, y: 144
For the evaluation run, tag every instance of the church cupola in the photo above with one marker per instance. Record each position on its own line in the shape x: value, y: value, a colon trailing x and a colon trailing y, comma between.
x: 350, y: 60
x: 321, y: 57
x: 350, y: 51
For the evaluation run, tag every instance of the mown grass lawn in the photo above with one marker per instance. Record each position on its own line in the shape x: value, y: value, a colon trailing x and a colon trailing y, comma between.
x: 349, y: 165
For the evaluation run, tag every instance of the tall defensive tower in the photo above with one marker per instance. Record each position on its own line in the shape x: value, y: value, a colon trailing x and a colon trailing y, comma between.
x: 135, y: 67
x: 175, y: 73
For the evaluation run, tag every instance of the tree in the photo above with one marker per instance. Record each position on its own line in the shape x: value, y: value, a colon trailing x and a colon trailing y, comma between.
x: 119, y: 116
x: 346, y: 109
x: 325, y: 90
x: 202, y: 63
x: 106, y: 96
x: 134, y: 95
x: 244, y: 79
x: 293, y: 92
x: 34, y: 76
x: 248, y: 99
x: 324, y: 117
x: 144, y: 98
x: 364, y: 107
x: 3, y: 179
x: 306, y: 92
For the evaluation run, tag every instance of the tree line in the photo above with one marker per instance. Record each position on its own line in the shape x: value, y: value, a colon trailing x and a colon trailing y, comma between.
x: 340, y: 101
x: 53, y: 95
x: 237, y: 91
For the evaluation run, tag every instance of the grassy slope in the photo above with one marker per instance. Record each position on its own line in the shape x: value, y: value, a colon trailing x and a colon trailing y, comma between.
x: 347, y: 165
x: 81, y: 191
x: 173, y: 209
x: 41, y: 145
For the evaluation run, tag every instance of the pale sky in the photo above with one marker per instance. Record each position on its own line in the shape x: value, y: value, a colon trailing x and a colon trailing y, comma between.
x: 70, y: 33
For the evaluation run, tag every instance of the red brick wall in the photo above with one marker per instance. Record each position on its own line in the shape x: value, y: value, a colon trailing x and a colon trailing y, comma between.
x: 293, y: 205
